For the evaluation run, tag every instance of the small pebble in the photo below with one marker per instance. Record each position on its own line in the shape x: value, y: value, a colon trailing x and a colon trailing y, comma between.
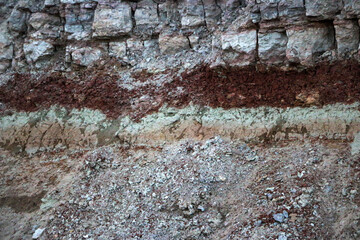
x: 279, y: 217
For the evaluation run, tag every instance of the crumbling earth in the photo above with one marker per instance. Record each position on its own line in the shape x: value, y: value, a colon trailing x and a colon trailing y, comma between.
x: 211, y: 189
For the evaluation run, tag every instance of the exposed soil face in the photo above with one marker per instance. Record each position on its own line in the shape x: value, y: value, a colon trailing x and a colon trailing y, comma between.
x: 211, y: 189
x: 22, y: 203
x: 226, y: 88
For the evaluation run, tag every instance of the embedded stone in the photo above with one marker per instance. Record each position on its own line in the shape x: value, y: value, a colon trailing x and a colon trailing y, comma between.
x: 86, y: 56
x: 173, y: 43
x: 323, y: 9
x: 112, y: 21
x: 305, y: 44
x: 35, y: 50
x: 146, y: 13
x: 347, y: 36
x: 244, y: 42
x: 272, y: 47
x: 117, y: 49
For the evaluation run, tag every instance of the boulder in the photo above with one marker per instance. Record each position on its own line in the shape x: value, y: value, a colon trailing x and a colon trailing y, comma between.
x: 347, y: 37
x: 112, y: 20
x: 272, y: 47
x: 79, y: 20
x: 173, y: 43
x: 305, y: 44
x: 323, y: 9
x: 36, y: 50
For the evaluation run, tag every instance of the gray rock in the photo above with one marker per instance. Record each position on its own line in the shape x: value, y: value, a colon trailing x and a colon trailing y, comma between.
x: 146, y: 13
x: 17, y: 21
x: 347, y: 37
x: 279, y: 217
x: 323, y: 9
x: 35, y: 50
x: 291, y: 9
x: 86, y: 56
x: 352, y: 7
x: 192, y: 14
x: 355, y: 145
x: 112, y: 21
x: 241, y: 42
x: 38, y: 233
x: 117, y: 49
x: 305, y: 44
x: 6, y: 46
x: 269, y: 10
x: 272, y: 47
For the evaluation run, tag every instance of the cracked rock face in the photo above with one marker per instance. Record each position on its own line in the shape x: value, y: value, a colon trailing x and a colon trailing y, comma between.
x: 76, y: 23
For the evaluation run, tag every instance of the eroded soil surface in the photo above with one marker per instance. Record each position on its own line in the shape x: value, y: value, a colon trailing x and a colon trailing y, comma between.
x: 191, y: 190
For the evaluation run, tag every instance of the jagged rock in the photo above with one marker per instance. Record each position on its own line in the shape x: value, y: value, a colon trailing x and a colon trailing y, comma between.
x: 352, y: 7
x: 193, y: 14
x: 172, y: 43
x: 35, y: 50
x: 17, y: 21
x: 112, y: 21
x: 243, y: 42
x: 272, y: 47
x: 323, y: 9
x: 86, y: 56
x: 79, y: 19
x: 305, y: 44
x: 6, y: 48
x: 146, y: 13
x: 269, y: 9
x: 291, y: 9
x: 39, y: 20
x: 212, y: 12
x: 117, y: 49
x: 347, y: 36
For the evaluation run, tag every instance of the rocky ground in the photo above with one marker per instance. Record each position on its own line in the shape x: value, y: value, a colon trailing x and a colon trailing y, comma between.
x: 211, y: 189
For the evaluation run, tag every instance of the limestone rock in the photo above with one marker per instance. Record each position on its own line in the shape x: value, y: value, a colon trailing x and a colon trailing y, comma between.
x: 6, y: 51
x: 146, y: 13
x: 79, y: 19
x: 35, y: 50
x: 305, y: 44
x: 272, y: 47
x: 244, y: 42
x: 352, y: 7
x: 112, y: 20
x: 17, y: 21
x: 291, y: 9
x: 269, y: 9
x: 86, y: 56
x: 323, y: 9
x: 355, y: 145
x: 172, y: 43
x: 347, y: 37
x: 192, y: 14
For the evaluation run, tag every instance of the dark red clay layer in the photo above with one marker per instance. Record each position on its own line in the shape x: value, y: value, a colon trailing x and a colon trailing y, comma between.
x: 226, y: 88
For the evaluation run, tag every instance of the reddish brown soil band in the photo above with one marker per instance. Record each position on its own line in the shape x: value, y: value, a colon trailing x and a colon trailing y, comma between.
x: 225, y: 87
